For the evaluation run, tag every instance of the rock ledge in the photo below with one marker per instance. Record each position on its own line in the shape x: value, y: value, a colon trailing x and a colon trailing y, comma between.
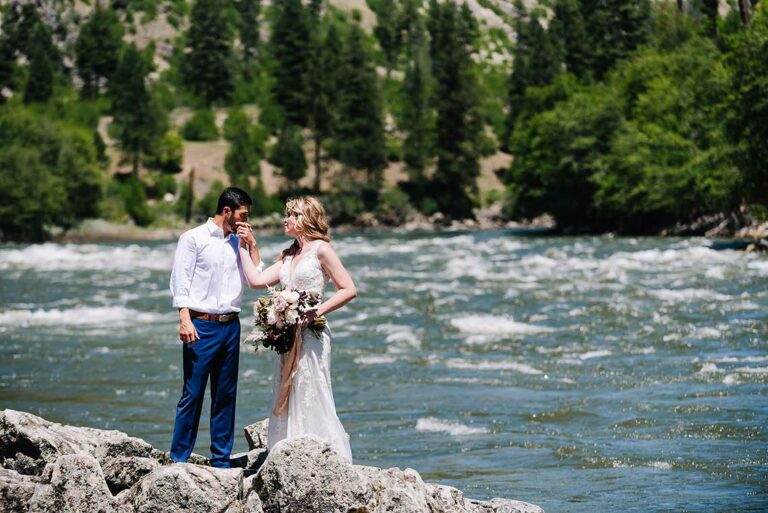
x: 50, y: 467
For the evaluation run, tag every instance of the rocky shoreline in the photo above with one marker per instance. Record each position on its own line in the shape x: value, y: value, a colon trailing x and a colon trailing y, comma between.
x: 99, y: 230
x: 739, y: 229
x: 50, y: 467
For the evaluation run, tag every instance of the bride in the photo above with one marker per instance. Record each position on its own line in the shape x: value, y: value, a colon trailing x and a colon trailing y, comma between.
x: 302, y: 397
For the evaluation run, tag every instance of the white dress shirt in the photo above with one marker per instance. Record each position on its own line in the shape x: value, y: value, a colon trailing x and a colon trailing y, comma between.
x: 207, y: 275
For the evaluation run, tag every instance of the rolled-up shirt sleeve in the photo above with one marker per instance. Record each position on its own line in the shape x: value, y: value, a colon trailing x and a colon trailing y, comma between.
x: 183, y: 269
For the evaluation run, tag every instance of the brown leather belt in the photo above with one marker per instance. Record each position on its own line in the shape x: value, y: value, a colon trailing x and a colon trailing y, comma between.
x: 213, y: 317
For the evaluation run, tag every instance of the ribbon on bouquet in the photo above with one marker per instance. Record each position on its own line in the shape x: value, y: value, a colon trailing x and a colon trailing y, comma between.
x: 290, y: 364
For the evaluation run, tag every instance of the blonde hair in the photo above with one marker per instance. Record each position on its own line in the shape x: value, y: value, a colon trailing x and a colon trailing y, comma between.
x: 311, y: 221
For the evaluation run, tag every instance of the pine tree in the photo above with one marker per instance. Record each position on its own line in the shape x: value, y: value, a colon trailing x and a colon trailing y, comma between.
x: 97, y: 49
x: 288, y: 155
x: 387, y: 31
x: 7, y: 64
x: 616, y: 28
x: 359, y: 141
x: 243, y: 160
x: 709, y: 10
x: 290, y: 50
x: 418, y: 116
x: 138, y: 116
x: 325, y: 53
x: 19, y: 24
x: 42, y: 69
x: 248, y: 28
x: 570, y: 37
x: 458, y: 122
x: 207, y: 65
x: 536, y: 63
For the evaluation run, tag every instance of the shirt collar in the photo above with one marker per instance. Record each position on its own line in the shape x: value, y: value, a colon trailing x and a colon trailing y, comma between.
x: 214, y: 229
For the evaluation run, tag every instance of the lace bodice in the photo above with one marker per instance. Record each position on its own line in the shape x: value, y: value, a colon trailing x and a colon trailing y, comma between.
x: 307, y: 274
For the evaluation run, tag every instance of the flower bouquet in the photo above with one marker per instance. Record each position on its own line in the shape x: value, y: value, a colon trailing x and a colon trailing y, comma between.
x: 277, y: 316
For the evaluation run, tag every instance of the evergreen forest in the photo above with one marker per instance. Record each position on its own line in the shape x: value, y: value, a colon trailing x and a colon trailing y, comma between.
x: 624, y: 116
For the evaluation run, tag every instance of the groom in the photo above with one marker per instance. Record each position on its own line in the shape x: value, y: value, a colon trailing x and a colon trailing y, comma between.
x: 207, y: 287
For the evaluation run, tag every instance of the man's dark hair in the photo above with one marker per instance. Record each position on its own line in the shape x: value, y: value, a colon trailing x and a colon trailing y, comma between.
x: 233, y: 198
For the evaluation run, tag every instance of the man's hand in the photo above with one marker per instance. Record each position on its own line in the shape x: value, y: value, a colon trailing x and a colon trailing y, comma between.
x: 245, y: 235
x: 187, y: 331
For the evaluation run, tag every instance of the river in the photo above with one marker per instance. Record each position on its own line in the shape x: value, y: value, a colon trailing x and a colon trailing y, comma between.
x: 579, y: 373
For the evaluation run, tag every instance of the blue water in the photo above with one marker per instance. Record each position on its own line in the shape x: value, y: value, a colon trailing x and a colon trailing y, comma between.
x: 582, y: 374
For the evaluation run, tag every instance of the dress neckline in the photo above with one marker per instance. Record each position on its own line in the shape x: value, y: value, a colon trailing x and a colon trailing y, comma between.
x: 292, y: 265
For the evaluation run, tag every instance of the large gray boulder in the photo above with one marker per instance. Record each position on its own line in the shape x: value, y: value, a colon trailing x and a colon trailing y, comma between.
x: 396, y: 490
x: 304, y: 475
x: 187, y: 488
x: 123, y: 472
x: 448, y: 499
x: 74, y: 484
x: 29, y: 442
x: 16, y: 491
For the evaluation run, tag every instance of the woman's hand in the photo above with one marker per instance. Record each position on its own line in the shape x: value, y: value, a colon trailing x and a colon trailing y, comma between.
x: 307, y: 317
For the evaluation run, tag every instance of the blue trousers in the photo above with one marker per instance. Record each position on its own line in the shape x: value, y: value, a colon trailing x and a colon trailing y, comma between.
x: 217, y: 355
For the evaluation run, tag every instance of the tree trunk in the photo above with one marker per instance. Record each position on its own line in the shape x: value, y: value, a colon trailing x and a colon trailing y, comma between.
x: 680, y: 5
x: 136, y: 157
x: 744, y: 11
x: 190, y: 197
x: 318, y: 169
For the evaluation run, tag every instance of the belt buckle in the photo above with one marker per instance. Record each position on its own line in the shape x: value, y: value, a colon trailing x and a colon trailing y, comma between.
x: 226, y: 317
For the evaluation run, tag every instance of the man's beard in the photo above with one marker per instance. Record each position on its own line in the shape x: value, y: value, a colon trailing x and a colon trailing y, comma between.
x: 232, y: 224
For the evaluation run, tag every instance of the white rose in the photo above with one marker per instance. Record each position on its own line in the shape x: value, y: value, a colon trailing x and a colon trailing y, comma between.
x: 291, y: 316
x: 279, y: 324
x: 271, y: 317
x: 292, y: 296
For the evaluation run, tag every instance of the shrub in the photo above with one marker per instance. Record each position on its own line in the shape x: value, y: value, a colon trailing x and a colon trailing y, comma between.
x: 201, y: 127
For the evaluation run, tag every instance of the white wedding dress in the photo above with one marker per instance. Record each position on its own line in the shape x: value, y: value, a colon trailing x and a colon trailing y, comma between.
x: 311, y: 409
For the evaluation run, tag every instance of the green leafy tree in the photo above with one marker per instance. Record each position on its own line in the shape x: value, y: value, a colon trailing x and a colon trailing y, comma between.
x: 642, y: 152
x: 747, y: 127
x: 556, y: 154
x: 97, y: 49
x: 138, y: 116
x: 289, y: 45
x: 207, y: 66
x: 49, y: 174
x: 134, y: 197
x: 359, y: 139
